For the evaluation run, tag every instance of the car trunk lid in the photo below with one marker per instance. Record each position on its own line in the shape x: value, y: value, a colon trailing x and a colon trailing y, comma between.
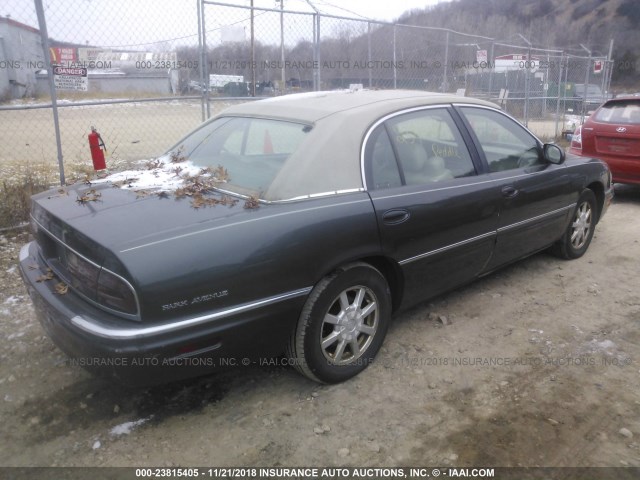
x: 619, y: 140
x: 92, y: 219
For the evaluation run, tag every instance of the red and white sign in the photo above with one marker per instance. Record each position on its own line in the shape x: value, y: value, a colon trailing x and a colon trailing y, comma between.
x: 481, y: 56
x: 62, y: 55
x: 598, y: 65
x: 66, y: 78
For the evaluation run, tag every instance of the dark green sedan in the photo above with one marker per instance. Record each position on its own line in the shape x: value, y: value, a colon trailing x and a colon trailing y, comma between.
x: 298, y: 225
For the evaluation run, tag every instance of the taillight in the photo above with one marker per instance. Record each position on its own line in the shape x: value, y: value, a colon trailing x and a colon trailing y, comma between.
x: 114, y: 292
x: 100, y: 285
x: 576, y: 139
x: 83, y: 275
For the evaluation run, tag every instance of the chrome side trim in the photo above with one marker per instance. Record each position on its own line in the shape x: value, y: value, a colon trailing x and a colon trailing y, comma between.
x: 448, y: 247
x: 99, y: 305
x: 485, y: 235
x: 139, y: 332
x: 535, y: 219
x: 319, y: 195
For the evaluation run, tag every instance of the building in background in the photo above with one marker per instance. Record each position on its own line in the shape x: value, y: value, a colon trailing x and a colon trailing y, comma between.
x: 20, y: 58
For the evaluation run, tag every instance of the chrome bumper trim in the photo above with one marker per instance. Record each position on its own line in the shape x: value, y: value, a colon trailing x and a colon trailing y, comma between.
x: 138, y: 332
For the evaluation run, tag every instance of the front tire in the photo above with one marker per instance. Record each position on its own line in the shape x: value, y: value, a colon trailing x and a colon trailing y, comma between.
x: 576, y: 240
x: 342, y: 325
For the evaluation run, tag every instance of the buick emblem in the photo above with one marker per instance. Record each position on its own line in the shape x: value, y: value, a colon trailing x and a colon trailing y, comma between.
x: 621, y: 129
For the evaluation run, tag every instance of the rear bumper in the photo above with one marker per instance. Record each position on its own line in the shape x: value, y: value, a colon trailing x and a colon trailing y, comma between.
x: 625, y: 171
x: 141, y: 354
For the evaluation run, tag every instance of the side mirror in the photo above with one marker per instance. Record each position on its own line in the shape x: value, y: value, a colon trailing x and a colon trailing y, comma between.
x: 553, y: 153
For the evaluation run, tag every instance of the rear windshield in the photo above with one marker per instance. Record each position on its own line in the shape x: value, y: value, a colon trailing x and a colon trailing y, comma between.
x: 252, y: 150
x: 619, y: 112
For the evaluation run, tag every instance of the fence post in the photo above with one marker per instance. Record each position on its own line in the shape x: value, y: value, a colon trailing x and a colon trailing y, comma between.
x: 446, y: 60
x: 606, y: 73
x: 395, y: 72
x: 253, y: 55
x: 319, y: 75
x: 526, y: 82
x: 44, y: 38
x: 492, y: 68
x: 282, y: 71
x: 558, y: 94
x: 369, y: 53
x: 315, y: 52
x: 202, y: 59
x: 586, y: 85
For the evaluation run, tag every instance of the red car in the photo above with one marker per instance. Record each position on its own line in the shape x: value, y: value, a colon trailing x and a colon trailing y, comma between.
x: 612, y: 133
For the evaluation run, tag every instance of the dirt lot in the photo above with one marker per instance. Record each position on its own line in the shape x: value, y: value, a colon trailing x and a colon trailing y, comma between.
x: 535, y: 365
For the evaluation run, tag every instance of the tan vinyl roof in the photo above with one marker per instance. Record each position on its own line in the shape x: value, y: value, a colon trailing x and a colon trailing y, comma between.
x: 329, y: 159
x: 312, y: 106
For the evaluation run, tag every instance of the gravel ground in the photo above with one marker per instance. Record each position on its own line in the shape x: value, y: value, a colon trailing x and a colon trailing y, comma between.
x: 536, y: 365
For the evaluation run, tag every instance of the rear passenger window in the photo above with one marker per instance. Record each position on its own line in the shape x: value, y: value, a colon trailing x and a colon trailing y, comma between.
x: 429, y: 147
x: 379, y: 155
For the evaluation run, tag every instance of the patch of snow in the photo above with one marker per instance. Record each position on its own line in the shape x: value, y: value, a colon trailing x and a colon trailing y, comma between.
x: 127, y: 427
x: 595, y: 346
x: 12, y: 300
x: 96, y: 445
x: 12, y: 269
x: 167, y: 177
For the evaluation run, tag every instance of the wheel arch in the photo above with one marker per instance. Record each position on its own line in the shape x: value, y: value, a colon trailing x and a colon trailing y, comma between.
x: 392, y: 273
x: 598, y: 190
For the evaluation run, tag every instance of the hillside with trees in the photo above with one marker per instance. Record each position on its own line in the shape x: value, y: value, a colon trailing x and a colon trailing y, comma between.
x: 562, y: 24
x: 348, y: 48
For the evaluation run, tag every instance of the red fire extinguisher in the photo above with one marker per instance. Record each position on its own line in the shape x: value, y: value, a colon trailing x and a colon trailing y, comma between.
x: 97, y: 146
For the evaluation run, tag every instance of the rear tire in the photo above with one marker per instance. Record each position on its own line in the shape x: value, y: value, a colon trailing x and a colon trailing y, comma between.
x: 576, y: 240
x: 342, y: 325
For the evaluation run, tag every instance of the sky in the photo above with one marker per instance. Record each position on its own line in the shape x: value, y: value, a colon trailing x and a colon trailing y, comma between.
x: 146, y: 24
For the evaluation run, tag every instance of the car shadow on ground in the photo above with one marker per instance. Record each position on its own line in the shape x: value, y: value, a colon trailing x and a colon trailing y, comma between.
x: 91, y: 401
x: 626, y: 193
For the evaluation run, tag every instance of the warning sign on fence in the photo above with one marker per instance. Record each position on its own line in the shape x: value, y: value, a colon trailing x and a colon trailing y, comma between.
x: 70, y: 78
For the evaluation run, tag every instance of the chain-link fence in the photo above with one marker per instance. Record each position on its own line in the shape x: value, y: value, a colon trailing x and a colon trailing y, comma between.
x: 146, y: 72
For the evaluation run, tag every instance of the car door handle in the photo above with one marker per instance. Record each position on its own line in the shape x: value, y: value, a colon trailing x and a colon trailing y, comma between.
x: 509, y: 191
x: 396, y: 216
